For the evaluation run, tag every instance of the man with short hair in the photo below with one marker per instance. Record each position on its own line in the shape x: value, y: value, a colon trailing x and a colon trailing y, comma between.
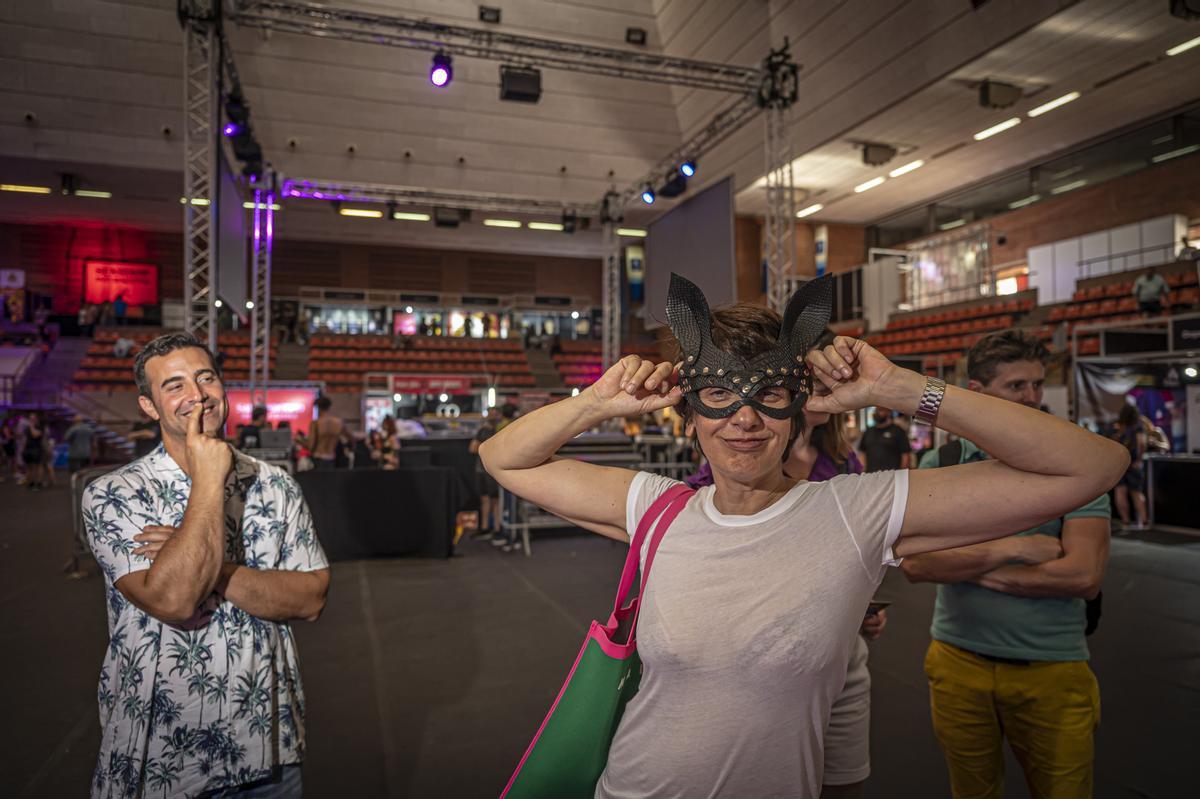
x: 249, y: 435
x: 79, y: 444
x: 1009, y: 656
x: 885, y: 446
x: 207, y: 555
x: 1151, y: 291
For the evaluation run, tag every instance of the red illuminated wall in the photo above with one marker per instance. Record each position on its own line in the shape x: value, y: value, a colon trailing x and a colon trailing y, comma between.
x: 53, y: 256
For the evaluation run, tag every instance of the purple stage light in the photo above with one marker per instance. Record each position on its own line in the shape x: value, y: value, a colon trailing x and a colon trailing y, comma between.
x: 230, y: 129
x: 442, y: 71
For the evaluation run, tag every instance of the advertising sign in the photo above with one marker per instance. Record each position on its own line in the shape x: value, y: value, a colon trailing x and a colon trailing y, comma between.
x: 104, y: 280
x: 295, y: 405
x: 431, y: 384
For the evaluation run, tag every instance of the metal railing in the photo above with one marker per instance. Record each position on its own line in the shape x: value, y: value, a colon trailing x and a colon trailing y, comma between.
x: 1085, y: 267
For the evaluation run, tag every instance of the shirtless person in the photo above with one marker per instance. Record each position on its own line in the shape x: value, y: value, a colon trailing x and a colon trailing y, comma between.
x: 327, y: 431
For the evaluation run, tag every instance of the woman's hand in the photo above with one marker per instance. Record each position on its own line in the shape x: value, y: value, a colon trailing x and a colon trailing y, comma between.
x: 851, y: 370
x: 633, y: 386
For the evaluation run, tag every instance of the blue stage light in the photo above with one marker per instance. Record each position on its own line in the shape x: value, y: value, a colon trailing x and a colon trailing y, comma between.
x: 687, y: 168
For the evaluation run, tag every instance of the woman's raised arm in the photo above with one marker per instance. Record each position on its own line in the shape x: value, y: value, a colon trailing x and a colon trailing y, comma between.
x: 1043, y: 466
x: 521, y: 456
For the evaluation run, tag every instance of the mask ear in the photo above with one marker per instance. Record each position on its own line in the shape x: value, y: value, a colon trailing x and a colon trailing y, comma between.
x: 807, y: 315
x: 688, y: 316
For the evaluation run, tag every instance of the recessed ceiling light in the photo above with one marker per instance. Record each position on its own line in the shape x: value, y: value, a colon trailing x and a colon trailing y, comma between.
x: 870, y: 184
x: 1066, y: 187
x: 994, y: 129
x: 250, y: 206
x: 636, y: 233
x: 952, y: 225
x: 1183, y: 48
x: 1191, y: 148
x: 24, y: 189
x: 904, y: 170
x: 1024, y: 201
x: 99, y: 195
x: 1053, y: 104
x: 195, y: 201
x: 546, y: 226
x: 809, y: 211
x: 510, y: 223
x: 365, y: 213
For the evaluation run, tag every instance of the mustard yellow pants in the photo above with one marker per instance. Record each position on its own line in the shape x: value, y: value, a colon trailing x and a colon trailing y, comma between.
x: 1047, y: 711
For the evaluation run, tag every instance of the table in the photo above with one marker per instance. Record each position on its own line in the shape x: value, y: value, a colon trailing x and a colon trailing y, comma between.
x: 1171, y: 482
x: 377, y: 513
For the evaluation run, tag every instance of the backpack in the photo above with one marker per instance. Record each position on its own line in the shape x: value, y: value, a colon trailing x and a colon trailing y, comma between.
x: 950, y: 455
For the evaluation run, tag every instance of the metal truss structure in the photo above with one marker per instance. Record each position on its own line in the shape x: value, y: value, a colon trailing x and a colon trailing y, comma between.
x: 201, y: 73
x: 610, y: 297
x: 490, y: 44
x: 779, y: 228
x: 347, y: 191
x: 260, y: 293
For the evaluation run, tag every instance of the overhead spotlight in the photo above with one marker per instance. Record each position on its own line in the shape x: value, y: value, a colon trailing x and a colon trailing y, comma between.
x: 446, y: 217
x: 674, y: 185
x: 569, y: 222
x: 648, y: 195
x: 231, y: 129
x: 443, y: 397
x: 1190, y: 371
x: 441, y: 72
x: 635, y: 36
x: 489, y: 14
x: 687, y: 168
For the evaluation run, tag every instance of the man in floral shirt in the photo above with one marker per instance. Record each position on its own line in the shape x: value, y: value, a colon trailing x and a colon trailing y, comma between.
x: 207, y: 555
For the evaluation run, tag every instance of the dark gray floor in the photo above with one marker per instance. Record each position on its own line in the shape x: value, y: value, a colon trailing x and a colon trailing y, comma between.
x: 427, y: 678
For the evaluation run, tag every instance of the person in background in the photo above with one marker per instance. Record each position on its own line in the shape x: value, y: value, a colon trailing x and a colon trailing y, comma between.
x: 33, y: 452
x: 486, y: 485
x: 1186, y: 251
x: 8, y: 450
x: 1132, y: 435
x: 120, y: 308
x: 123, y: 347
x: 328, y: 432
x: 49, y: 443
x: 1151, y: 292
x: 145, y: 435
x: 389, y: 443
x: 79, y: 437
x: 885, y: 446
x: 250, y: 435
x: 1009, y: 658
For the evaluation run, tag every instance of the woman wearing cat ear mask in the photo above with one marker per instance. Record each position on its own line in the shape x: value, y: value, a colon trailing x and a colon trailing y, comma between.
x: 761, y: 583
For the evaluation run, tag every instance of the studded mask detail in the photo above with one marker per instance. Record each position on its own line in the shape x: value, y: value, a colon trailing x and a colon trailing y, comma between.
x: 783, y: 366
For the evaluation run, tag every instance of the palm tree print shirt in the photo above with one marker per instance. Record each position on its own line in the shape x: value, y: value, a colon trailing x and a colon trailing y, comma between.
x: 217, y: 701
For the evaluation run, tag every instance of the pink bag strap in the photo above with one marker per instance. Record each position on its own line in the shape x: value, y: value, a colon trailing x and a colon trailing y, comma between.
x: 633, y: 559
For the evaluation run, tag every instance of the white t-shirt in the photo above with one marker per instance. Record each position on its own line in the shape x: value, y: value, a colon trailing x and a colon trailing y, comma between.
x: 746, y: 627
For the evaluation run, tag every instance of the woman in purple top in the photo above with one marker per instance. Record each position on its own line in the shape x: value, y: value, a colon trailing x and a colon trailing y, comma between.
x: 820, y: 453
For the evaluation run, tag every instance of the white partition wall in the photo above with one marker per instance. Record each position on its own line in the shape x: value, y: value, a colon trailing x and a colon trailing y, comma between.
x: 1054, y: 268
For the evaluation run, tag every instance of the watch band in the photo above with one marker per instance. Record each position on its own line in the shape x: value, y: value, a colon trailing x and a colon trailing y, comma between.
x: 931, y: 401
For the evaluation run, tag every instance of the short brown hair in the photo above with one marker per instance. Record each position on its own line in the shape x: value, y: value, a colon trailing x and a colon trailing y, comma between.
x: 164, y: 345
x: 746, y: 331
x: 1007, y: 346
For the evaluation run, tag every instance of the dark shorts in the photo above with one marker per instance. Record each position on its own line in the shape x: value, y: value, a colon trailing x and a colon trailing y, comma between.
x: 486, y: 485
x: 1134, y: 480
x: 32, y: 457
x: 1154, y: 306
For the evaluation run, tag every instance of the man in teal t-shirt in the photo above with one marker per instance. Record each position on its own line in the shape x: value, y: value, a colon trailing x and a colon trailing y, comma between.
x: 1009, y: 657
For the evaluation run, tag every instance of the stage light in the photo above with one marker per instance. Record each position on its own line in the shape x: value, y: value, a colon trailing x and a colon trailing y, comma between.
x: 218, y: 303
x: 443, y: 397
x: 870, y: 184
x: 1053, y: 104
x: 809, y: 211
x: 441, y: 72
x: 24, y: 189
x: 633, y: 232
x: 648, y: 195
x: 687, y: 169
x: 994, y: 129
x: 195, y: 201
x: 574, y: 314
x: 249, y: 305
x: 510, y: 223
x: 904, y: 170
x: 410, y: 217
x: 397, y: 397
x: 1190, y: 371
x: 674, y: 185
x: 546, y: 226
x: 361, y: 212
x: 99, y: 195
x: 231, y: 129
x: 408, y: 309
